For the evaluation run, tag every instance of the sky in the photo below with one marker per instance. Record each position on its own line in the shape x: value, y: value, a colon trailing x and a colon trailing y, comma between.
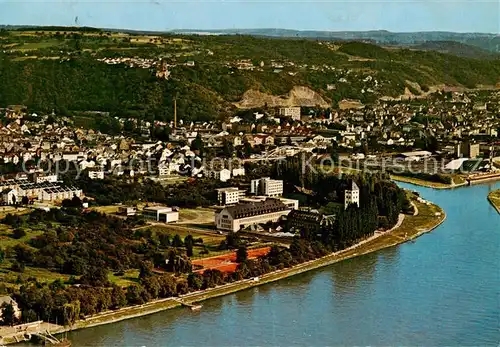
x: 328, y: 15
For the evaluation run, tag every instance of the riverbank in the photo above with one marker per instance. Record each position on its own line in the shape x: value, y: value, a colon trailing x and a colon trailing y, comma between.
x: 494, y: 199
x: 425, y: 183
x: 427, y: 217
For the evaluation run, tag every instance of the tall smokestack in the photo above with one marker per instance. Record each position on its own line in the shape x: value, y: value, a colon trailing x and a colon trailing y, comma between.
x: 175, y: 113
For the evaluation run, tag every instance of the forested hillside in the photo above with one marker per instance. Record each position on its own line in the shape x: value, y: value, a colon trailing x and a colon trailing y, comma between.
x: 65, y: 71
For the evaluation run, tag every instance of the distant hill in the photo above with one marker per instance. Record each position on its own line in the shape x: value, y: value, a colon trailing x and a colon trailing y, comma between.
x: 486, y: 41
x: 458, y: 49
x: 61, y: 68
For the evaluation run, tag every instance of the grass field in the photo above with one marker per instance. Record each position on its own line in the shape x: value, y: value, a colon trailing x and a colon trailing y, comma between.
x: 128, y: 278
x: 108, y: 209
x: 208, y: 238
x: 196, y: 216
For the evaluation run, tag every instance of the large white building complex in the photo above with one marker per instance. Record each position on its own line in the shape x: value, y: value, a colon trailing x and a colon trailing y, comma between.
x: 13, y: 191
x: 235, y: 218
x: 266, y: 186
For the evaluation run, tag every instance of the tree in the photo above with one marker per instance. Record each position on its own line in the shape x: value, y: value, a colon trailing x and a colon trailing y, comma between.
x: 18, y: 233
x: 188, y: 243
x: 75, y: 202
x: 135, y: 295
x: 197, y: 144
x: 8, y: 314
x: 118, y: 298
x: 177, y: 241
x: 95, y: 276
x: 18, y: 266
x: 241, y: 254
x: 146, y: 269
x: 195, y: 281
x: 227, y: 148
x: 71, y: 312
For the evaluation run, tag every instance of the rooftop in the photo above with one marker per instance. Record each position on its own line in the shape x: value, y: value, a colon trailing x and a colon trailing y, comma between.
x: 158, y: 208
x: 269, y: 205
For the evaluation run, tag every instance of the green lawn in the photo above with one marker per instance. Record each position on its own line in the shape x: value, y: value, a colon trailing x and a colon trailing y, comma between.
x: 129, y: 277
x: 30, y: 46
x: 196, y: 215
x: 6, y: 239
x: 207, y: 239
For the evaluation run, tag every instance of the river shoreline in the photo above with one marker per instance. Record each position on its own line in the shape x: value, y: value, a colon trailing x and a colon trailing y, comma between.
x: 494, y: 199
x: 427, y: 217
x: 427, y: 184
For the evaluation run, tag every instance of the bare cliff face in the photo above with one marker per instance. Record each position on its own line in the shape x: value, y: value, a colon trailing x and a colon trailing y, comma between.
x: 298, y: 96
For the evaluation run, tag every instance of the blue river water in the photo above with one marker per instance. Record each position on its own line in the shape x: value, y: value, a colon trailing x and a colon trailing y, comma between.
x: 442, y: 290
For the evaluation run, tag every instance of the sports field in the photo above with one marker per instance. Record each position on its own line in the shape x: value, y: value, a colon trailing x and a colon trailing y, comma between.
x: 227, y: 262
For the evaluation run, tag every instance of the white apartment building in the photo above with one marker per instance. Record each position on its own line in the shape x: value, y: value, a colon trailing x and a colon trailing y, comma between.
x: 291, y: 112
x: 351, y: 196
x: 229, y: 196
x: 266, y: 186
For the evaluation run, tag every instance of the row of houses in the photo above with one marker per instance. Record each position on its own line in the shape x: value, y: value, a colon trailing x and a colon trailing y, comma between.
x: 14, y: 190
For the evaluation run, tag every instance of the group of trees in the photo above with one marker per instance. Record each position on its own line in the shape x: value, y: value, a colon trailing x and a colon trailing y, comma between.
x: 89, y: 245
x: 381, y: 200
x: 111, y: 190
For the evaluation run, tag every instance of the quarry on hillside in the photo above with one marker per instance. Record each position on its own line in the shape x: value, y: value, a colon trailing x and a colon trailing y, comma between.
x: 298, y: 96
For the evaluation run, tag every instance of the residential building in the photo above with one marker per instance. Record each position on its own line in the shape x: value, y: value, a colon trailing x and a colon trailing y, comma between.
x: 238, y: 172
x: 351, y: 196
x: 266, y: 186
x: 160, y: 214
x: 240, y: 216
x: 229, y: 196
x: 96, y: 174
x: 291, y: 112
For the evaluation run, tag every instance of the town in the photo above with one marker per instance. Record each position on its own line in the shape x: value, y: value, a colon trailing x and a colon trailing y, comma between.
x: 120, y: 202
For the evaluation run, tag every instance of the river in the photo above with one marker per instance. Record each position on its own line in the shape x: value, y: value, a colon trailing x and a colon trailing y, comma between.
x: 444, y: 289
